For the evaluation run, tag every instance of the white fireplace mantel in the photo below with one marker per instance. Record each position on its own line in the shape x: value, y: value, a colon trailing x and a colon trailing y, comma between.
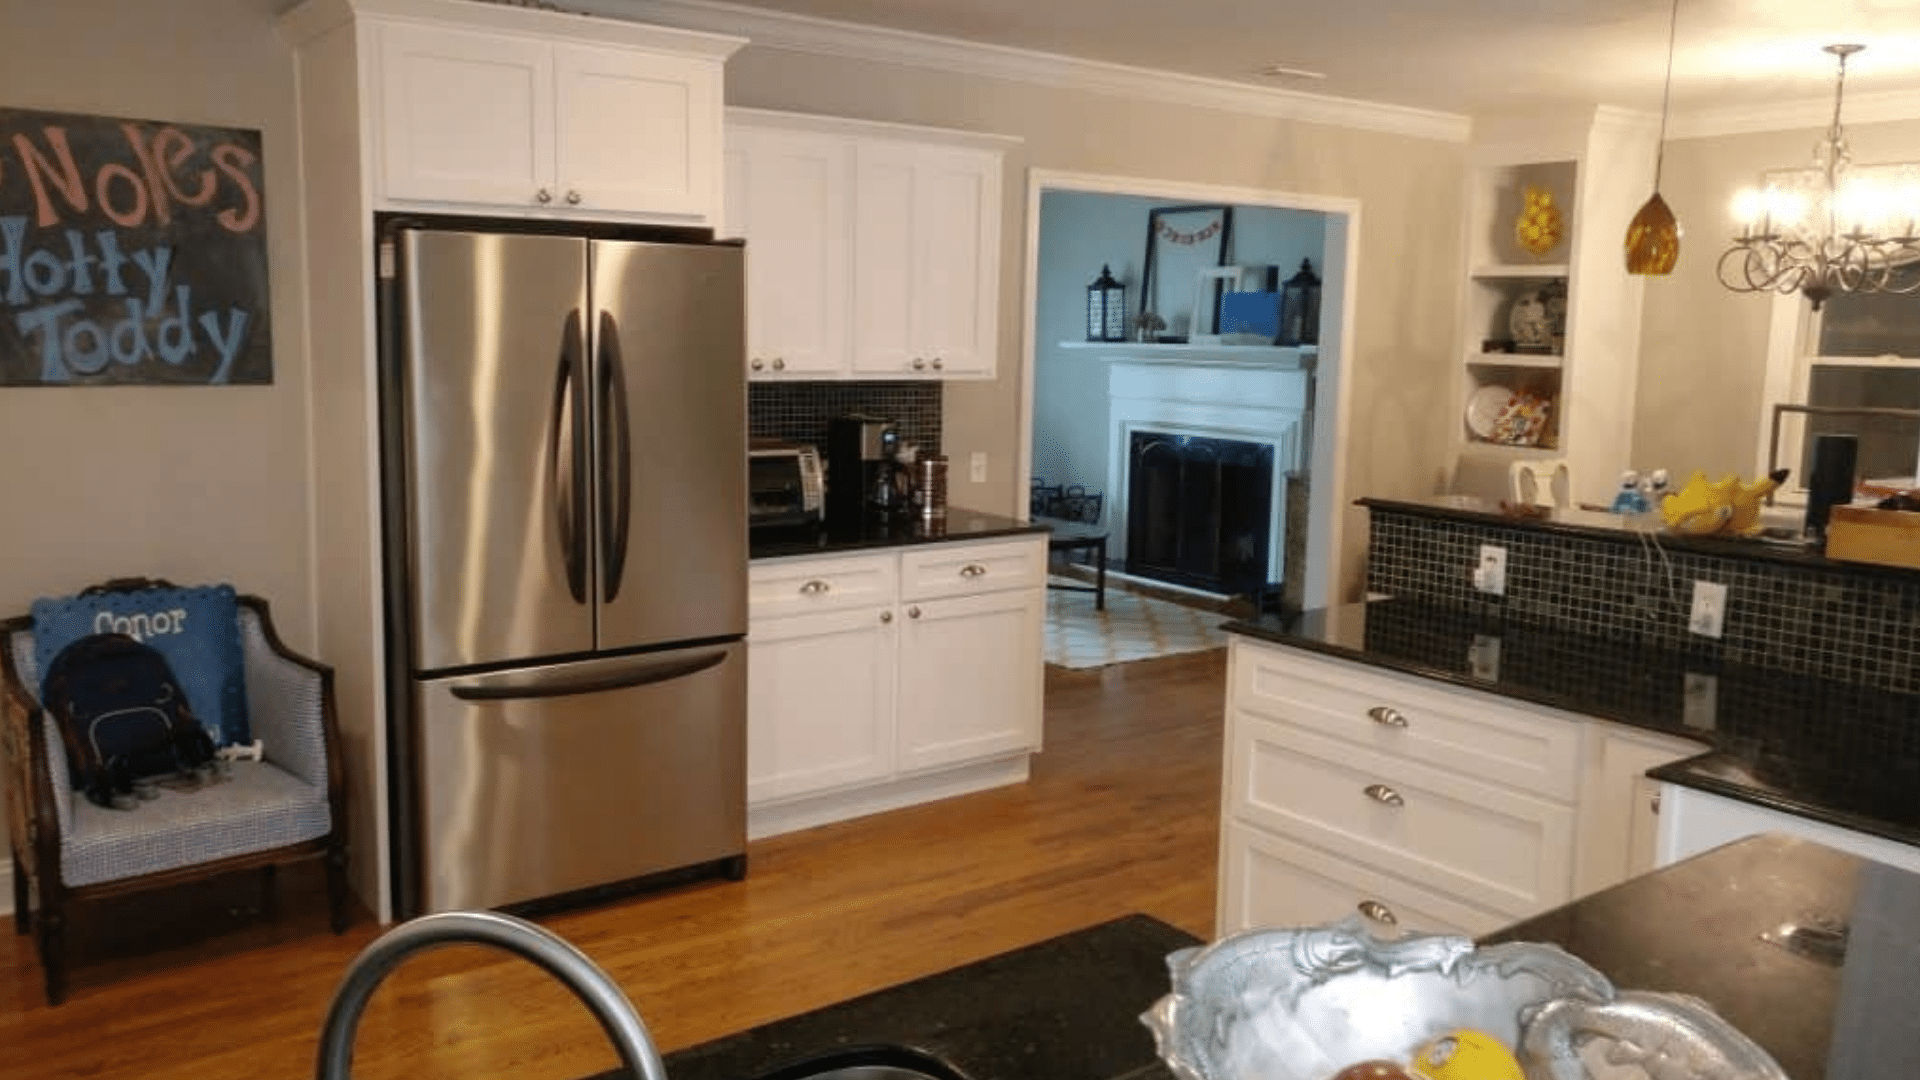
x: 1259, y: 403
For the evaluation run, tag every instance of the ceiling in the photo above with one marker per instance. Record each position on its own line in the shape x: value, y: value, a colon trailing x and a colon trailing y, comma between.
x: 1465, y: 56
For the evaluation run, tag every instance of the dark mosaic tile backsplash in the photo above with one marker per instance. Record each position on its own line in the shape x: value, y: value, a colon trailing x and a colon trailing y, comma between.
x: 1861, y: 628
x: 799, y: 411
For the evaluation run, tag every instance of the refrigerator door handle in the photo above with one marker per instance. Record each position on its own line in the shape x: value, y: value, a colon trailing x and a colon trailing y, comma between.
x: 616, y: 459
x: 566, y: 450
x: 518, y: 688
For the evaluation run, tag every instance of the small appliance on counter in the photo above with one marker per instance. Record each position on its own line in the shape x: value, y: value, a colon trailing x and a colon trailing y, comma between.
x: 786, y: 486
x: 930, y: 487
x: 863, y: 475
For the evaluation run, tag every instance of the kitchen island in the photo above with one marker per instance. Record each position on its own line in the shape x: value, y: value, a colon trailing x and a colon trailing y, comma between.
x: 1831, y: 1002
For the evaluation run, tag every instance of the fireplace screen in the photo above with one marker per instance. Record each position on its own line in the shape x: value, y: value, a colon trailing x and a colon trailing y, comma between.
x: 1200, y: 511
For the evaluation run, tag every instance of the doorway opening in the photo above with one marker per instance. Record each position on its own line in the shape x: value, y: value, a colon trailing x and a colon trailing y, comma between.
x: 1198, y: 431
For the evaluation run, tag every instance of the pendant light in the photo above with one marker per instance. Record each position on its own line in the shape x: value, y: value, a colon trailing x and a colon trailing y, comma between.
x: 1653, y: 237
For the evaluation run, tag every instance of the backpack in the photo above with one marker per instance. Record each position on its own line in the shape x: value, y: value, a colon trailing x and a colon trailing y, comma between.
x: 123, y: 717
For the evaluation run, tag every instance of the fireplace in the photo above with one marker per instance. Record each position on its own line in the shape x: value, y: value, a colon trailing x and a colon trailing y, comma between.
x: 1200, y: 511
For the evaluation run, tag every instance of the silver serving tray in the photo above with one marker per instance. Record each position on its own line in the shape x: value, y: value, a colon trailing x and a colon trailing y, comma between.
x: 1303, y: 1004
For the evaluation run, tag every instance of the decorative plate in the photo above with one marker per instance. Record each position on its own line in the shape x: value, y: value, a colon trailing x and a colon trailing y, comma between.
x: 1304, y: 1004
x: 1485, y: 408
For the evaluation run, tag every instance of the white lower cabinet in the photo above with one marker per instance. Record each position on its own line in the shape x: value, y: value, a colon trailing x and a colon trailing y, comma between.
x: 969, y: 680
x: 1693, y: 821
x: 1350, y: 789
x: 820, y: 699
x: 875, y: 682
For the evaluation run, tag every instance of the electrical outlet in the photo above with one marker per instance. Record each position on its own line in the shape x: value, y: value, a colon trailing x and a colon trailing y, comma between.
x: 1483, y: 657
x: 1490, y: 574
x: 977, y: 467
x: 1709, y: 615
x: 1700, y: 701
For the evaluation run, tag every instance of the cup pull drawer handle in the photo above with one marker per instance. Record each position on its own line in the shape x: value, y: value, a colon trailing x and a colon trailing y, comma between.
x: 1378, y: 912
x: 1384, y: 795
x: 1387, y: 716
x: 973, y: 570
x: 815, y: 587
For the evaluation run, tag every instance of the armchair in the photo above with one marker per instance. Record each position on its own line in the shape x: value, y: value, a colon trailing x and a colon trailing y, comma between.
x: 289, y: 807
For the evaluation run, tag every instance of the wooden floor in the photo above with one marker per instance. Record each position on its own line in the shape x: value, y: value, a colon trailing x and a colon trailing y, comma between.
x: 1121, y: 815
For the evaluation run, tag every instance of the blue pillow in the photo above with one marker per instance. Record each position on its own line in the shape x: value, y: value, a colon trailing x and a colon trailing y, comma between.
x: 197, y: 630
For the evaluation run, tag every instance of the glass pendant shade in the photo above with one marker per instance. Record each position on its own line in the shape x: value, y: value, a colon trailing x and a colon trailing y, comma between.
x: 1653, y: 239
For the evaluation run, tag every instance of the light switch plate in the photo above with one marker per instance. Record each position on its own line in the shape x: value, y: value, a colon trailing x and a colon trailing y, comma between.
x: 1708, y: 617
x: 977, y: 467
x: 1490, y: 574
x: 1700, y: 701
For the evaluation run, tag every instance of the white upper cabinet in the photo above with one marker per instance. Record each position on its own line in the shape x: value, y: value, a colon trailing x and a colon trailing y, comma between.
x: 786, y: 195
x: 535, y: 113
x: 893, y: 271
x: 637, y: 130
x: 461, y: 116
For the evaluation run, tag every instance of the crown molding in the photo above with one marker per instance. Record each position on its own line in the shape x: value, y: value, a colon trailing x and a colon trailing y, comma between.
x: 830, y: 37
x: 1806, y: 114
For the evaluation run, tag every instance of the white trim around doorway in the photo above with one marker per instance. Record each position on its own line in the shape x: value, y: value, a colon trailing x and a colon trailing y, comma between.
x: 1332, y: 394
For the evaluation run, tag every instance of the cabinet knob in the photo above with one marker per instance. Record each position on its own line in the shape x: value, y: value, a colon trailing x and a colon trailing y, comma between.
x: 1383, y: 795
x: 919, y: 364
x: 1387, y: 716
x: 573, y: 198
x: 816, y: 587
x: 886, y: 616
x: 757, y: 364
x: 1653, y: 802
x: 779, y: 364
x: 937, y: 363
x: 543, y: 196
x: 913, y: 613
x: 1378, y: 912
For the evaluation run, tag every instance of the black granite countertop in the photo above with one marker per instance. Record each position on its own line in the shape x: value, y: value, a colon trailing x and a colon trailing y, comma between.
x: 1065, y: 1009
x: 1844, y: 1012
x: 883, y: 532
x: 1593, y: 523
x: 1835, y: 752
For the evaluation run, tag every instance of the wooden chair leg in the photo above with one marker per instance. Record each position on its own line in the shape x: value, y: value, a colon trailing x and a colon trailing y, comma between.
x: 22, y: 911
x: 269, y: 891
x: 53, y: 952
x: 338, y: 895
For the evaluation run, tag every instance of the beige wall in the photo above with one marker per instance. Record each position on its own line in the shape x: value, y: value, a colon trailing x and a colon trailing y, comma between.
x: 190, y: 483
x: 1409, y: 189
x: 1703, y: 351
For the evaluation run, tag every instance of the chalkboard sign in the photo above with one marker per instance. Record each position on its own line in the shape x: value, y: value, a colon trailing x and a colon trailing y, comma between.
x: 131, y: 251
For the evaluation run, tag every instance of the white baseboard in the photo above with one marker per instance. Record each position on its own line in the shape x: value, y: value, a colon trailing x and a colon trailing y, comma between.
x: 809, y: 811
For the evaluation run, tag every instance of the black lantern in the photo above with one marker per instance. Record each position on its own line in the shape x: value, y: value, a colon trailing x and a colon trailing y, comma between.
x: 1106, y: 308
x: 1300, y: 307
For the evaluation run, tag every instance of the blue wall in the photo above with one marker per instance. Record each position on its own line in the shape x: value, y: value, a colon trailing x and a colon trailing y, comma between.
x: 1079, y: 232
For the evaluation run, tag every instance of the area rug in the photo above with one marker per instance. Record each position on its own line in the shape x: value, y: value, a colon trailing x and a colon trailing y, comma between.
x: 1132, y: 628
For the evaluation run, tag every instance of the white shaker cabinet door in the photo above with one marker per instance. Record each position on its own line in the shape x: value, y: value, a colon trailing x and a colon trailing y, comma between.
x: 788, y: 197
x: 886, y: 178
x: 970, y: 678
x: 956, y: 268
x: 637, y: 132
x: 464, y: 117
x: 819, y: 702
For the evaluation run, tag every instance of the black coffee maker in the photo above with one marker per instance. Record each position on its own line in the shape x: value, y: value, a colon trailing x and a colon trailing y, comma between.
x: 863, y: 473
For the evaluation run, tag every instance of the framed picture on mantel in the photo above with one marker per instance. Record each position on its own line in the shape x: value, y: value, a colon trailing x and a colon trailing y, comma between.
x: 1181, y: 241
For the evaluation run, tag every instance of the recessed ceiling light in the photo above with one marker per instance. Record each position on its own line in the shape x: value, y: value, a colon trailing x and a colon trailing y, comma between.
x: 1286, y: 71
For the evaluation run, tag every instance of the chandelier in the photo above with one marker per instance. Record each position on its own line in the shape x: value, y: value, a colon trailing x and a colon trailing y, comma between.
x: 1833, y: 227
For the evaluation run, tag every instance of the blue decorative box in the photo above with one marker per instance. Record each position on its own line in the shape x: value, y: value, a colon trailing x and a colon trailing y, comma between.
x: 1250, y: 313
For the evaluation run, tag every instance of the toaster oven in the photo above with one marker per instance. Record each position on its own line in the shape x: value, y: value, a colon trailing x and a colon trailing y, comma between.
x: 785, y: 484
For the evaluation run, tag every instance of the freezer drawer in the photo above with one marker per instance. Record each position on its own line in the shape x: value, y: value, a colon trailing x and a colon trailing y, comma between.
x: 544, y: 780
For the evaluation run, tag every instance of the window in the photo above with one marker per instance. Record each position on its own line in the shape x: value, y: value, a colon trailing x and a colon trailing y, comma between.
x: 1861, y: 351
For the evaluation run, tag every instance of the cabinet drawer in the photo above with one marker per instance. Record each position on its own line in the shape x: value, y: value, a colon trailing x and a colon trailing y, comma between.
x: 1411, y: 718
x: 1499, y: 849
x: 781, y: 587
x: 964, y: 569
x: 1273, y: 881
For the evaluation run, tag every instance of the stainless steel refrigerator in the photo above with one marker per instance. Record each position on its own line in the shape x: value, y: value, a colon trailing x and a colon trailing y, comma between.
x: 566, y: 449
